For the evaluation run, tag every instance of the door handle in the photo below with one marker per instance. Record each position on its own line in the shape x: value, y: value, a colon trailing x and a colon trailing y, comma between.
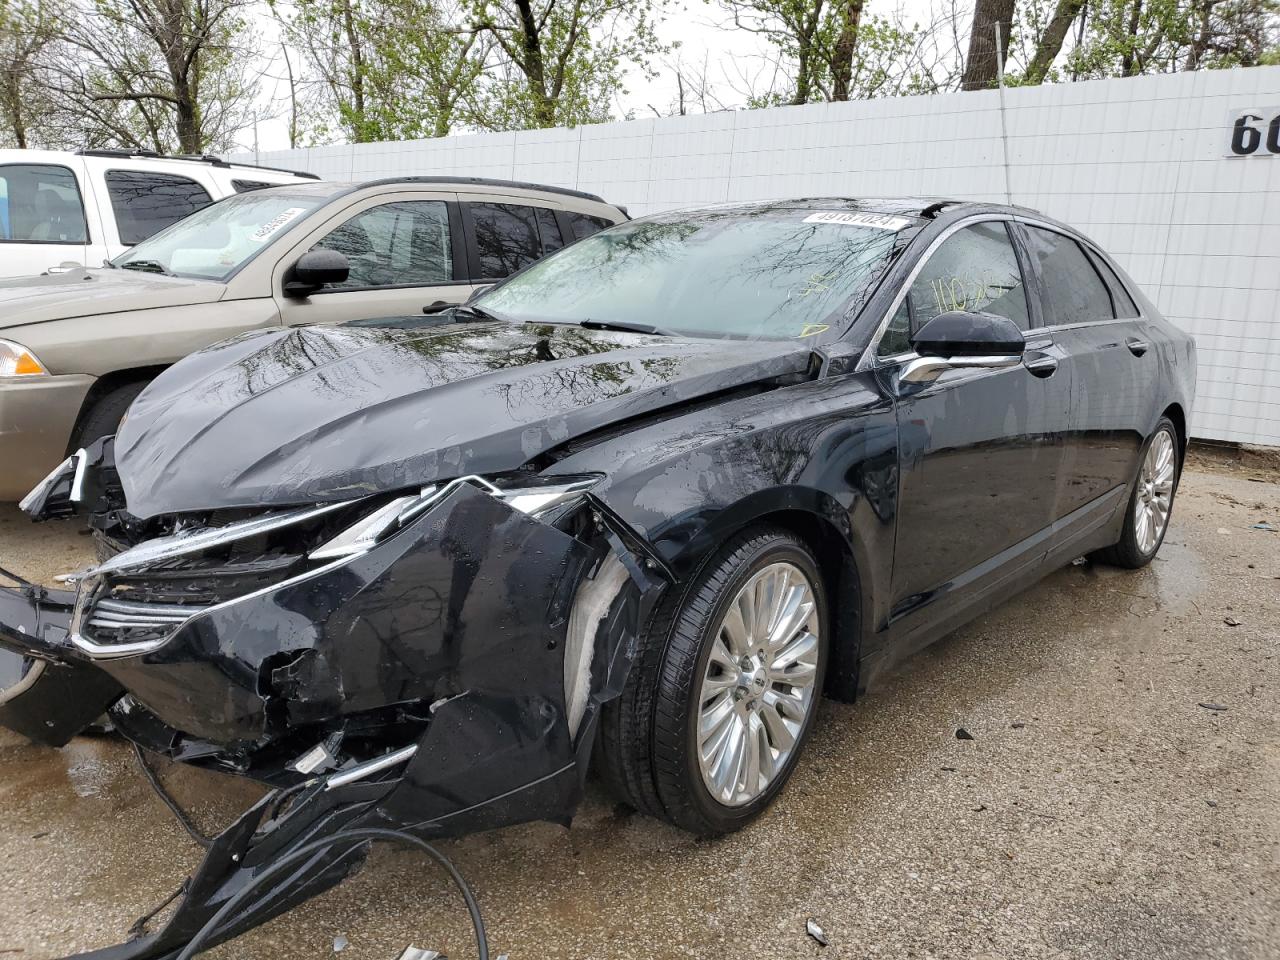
x: 1137, y: 347
x: 1041, y: 366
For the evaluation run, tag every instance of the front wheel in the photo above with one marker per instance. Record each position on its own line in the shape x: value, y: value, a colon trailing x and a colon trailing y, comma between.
x: 725, y: 689
x: 1151, y: 502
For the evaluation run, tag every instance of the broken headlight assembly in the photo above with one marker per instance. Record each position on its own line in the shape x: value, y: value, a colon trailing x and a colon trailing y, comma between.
x: 537, y: 500
x: 136, y: 601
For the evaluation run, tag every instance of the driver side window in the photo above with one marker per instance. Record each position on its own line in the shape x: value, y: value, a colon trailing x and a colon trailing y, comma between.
x: 395, y: 245
x: 975, y: 269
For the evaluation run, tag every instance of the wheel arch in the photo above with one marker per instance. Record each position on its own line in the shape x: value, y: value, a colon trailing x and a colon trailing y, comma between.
x: 1179, y: 418
x: 103, y: 386
x: 823, y: 525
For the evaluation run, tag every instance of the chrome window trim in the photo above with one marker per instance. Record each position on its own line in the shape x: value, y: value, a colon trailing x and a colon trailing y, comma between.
x: 869, y: 361
x: 1098, y: 252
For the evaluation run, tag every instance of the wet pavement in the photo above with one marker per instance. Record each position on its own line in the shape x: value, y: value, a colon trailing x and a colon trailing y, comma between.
x: 1100, y: 810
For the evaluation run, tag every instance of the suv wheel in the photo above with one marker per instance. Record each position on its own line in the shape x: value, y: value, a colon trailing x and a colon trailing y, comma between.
x: 103, y: 418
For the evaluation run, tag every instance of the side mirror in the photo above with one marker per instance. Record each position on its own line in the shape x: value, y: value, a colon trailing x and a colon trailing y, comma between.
x: 314, y: 269
x: 960, y: 339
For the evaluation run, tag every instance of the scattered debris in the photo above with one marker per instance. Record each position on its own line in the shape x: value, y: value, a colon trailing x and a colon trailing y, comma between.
x: 1017, y: 725
x: 979, y: 808
x: 340, y: 943
x: 963, y: 734
x: 1265, y: 526
x: 811, y: 927
x: 417, y: 953
x: 1216, y: 707
x: 1231, y: 621
x: 41, y: 835
x: 1212, y: 803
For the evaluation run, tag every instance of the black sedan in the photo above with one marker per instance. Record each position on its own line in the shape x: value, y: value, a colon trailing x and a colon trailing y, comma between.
x: 641, y: 505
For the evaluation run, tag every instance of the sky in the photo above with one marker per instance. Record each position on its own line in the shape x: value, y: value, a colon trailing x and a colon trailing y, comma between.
x: 734, y: 61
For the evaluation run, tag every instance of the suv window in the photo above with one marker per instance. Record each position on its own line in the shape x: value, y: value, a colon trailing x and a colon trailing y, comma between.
x: 974, y: 269
x: 506, y: 238
x: 146, y: 202
x: 395, y: 245
x: 584, y: 226
x: 552, y: 239
x: 40, y: 203
x: 1073, y: 291
x: 244, y: 186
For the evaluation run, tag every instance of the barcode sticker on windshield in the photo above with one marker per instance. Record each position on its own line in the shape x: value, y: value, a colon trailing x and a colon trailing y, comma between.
x: 264, y: 232
x: 880, y: 221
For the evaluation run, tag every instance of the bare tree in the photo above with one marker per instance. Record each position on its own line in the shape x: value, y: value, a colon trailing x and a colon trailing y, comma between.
x: 991, y: 19
x: 158, y: 74
x: 27, y: 28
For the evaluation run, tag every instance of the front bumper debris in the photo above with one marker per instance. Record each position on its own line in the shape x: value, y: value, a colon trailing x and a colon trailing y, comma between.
x: 447, y: 680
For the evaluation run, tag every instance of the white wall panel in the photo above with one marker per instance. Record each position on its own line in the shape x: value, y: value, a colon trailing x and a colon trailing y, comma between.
x: 1137, y: 164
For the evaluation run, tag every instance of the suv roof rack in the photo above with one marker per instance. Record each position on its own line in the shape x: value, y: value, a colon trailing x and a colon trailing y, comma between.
x: 489, y: 182
x: 193, y: 158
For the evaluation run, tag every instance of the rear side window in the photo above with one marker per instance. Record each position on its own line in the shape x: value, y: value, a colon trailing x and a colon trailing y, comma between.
x: 584, y: 225
x: 1073, y: 292
x: 145, y: 202
x: 40, y: 203
x: 1125, y: 307
x: 552, y: 240
x: 506, y: 238
x: 395, y: 245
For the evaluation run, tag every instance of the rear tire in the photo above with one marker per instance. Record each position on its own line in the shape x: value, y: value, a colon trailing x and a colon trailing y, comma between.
x: 103, y: 418
x: 760, y: 695
x: 1150, y: 503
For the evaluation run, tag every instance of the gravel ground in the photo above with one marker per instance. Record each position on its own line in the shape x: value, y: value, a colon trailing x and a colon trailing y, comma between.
x: 1100, y: 810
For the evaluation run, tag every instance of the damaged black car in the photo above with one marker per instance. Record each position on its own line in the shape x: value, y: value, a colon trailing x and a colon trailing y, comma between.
x: 635, y: 509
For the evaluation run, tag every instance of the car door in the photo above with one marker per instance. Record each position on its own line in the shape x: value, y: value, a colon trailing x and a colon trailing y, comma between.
x: 1114, y: 372
x: 980, y: 449
x: 42, y: 217
x: 405, y: 252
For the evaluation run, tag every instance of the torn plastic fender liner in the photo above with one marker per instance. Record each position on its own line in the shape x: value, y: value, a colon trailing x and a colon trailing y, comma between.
x: 46, y: 693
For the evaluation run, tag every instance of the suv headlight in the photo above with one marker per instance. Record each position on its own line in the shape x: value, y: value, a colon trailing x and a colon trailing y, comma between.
x: 366, y: 533
x: 17, y: 361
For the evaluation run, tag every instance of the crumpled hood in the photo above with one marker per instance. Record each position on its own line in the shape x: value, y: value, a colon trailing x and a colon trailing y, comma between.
x: 81, y: 292
x: 323, y: 413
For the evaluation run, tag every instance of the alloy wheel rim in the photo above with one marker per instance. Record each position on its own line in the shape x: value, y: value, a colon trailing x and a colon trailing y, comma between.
x: 759, y: 684
x: 1155, y: 492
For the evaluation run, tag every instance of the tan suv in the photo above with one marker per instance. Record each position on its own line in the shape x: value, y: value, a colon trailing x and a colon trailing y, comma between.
x: 77, y: 347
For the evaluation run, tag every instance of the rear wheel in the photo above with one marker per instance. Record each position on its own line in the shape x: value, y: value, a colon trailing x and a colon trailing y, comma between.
x: 1150, y: 504
x: 725, y: 688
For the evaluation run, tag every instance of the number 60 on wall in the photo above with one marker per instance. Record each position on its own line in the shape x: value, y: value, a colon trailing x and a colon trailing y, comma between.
x: 1255, y: 132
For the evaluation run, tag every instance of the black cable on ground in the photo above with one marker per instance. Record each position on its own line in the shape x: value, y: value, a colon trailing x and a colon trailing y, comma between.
x: 355, y: 836
x: 174, y: 807
x: 20, y: 581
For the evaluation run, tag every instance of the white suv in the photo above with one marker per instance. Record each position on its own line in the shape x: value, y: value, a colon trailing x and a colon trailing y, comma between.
x: 59, y: 209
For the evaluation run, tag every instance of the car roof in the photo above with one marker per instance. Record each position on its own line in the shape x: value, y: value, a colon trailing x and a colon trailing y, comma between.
x: 926, y: 208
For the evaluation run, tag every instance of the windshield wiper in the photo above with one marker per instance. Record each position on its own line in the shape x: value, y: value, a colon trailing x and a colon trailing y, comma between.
x: 462, y: 312
x: 146, y: 266
x: 627, y: 327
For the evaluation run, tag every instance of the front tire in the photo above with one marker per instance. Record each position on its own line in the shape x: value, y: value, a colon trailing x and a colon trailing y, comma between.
x: 725, y: 687
x: 1151, y: 503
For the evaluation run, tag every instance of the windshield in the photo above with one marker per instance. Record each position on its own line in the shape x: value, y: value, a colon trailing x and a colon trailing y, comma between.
x: 759, y: 273
x: 214, y: 242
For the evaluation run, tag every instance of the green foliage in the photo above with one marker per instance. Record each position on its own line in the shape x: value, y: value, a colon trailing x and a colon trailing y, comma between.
x: 559, y: 62
x: 833, y: 50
